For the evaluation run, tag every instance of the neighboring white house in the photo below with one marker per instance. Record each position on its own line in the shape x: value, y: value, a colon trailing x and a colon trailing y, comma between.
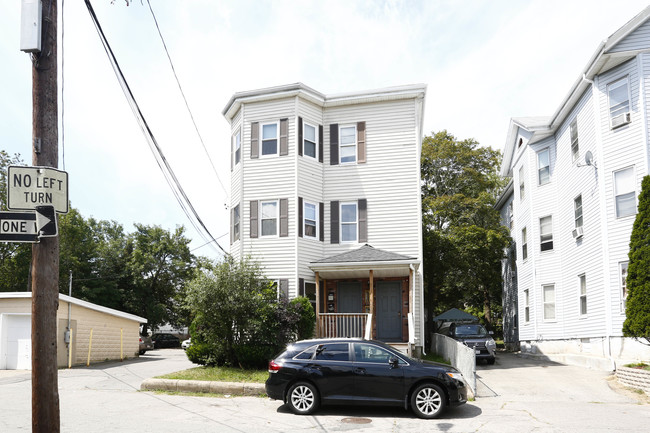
x: 325, y: 194
x: 571, y: 204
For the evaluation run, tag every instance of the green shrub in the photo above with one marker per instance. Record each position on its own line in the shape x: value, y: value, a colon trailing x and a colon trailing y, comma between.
x: 307, y: 321
x: 254, y: 356
x: 205, y: 354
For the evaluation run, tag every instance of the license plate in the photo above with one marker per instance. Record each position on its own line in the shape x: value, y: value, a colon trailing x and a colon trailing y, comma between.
x: 478, y: 352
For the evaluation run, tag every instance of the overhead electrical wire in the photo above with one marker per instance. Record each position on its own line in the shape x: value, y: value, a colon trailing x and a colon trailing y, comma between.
x: 187, y: 105
x: 163, y: 164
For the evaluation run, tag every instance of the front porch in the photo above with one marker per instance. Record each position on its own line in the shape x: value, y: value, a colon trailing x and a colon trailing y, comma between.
x: 366, y: 293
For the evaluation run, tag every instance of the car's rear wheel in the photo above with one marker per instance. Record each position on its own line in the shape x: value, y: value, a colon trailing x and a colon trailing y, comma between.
x: 428, y: 401
x: 490, y: 361
x: 303, y: 398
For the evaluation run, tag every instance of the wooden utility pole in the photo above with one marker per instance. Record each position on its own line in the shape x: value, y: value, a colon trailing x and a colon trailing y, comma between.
x: 45, y: 255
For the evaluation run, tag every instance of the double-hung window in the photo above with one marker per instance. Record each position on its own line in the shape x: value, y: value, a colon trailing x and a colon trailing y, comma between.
x: 235, y: 223
x: 348, y: 144
x: 309, y: 141
x: 349, y: 222
x: 577, y: 211
x: 511, y: 215
x: 269, y: 219
x: 310, y: 220
x: 575, y: 148
x: 269, y: 138
x: 237, y: 146
x: 548, y: 296
x: 619, y: 102
x: 583, y: 295
x: 524, y: 244
x: 544, y: 167
x: 526, y: 306
x: 546, y: 233
x: 522, y: 184
x: 622, y: 266
x: 625, y: 192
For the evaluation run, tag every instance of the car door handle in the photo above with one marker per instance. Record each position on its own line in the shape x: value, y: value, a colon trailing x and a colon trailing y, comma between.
x: 359, y: 371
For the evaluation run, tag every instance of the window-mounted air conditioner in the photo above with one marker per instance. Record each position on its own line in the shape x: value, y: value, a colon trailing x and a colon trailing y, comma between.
x: 578, y: 232
x: 620, y: 120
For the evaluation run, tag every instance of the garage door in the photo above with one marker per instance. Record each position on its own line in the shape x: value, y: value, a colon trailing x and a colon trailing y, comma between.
x: 17, y: 346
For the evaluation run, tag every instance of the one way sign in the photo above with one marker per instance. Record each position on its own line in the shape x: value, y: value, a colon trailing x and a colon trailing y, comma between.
x: 28, y: 226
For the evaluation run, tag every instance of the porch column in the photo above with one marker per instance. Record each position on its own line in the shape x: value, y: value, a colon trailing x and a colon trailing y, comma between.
x: 371, y: 288
x: 411, y: 289
x: 317, y: 305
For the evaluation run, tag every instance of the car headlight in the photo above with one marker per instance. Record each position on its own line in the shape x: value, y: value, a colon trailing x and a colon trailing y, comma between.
x: 491, y: 345
x: 456, y: 375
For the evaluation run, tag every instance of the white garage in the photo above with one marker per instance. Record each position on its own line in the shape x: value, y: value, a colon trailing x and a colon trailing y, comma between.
x: 15, y: 341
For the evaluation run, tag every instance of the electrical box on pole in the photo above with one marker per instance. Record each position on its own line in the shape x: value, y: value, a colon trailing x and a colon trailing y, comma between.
x: 30, y: 26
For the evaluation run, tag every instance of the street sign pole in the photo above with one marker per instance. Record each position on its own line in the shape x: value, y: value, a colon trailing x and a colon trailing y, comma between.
x: 45, y: 254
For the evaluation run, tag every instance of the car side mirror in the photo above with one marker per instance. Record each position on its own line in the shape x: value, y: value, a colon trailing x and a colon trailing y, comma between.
x: 393, y: 362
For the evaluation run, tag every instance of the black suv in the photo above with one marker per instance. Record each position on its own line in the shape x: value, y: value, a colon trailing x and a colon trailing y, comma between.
x: 474, y: 336
x: 354, y: 371
x: 165, y: 340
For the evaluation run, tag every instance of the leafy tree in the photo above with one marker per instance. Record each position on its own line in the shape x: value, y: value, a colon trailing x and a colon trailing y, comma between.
x: 637, y: 310
x: 464, y: 240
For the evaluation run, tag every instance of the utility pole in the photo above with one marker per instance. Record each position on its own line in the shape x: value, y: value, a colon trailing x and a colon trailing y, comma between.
x: 45, y: 254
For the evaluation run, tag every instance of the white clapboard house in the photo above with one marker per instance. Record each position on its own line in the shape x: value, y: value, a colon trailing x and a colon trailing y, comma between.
x: 571, y: 203
x: 325, y: 194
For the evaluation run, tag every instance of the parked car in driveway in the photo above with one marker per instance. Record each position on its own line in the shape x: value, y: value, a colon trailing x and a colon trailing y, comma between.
x: 145, y: 344
x: 474, y: 336
x: 165, y: 340
x: 355, y: 371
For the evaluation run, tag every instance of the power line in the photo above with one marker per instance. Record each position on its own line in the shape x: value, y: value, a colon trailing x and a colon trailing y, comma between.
x: 170, y: 177
x: 196, y: 128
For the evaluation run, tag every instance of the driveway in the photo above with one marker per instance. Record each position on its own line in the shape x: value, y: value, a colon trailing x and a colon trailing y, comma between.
x: 515, y: 395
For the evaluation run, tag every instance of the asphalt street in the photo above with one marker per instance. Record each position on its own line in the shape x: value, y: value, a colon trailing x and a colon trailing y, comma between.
x: 515, y: 395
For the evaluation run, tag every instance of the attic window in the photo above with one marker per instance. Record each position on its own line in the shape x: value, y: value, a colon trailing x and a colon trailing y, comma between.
x: 521, y: 141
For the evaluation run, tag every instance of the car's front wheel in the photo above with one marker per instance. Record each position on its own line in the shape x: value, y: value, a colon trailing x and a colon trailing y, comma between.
x: 428, y: 401
x: 303, y: 398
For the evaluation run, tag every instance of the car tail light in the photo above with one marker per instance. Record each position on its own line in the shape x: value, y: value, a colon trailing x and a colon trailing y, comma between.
x: 274, y: 367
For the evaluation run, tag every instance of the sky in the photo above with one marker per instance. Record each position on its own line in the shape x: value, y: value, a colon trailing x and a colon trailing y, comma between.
x: 483, y: 61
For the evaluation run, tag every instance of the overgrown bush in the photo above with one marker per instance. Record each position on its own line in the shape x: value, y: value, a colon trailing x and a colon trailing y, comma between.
x: 307, y: 321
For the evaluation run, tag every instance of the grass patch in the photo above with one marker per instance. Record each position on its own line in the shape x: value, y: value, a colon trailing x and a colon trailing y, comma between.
x: 435, y: 358
x: 219, y: 374
x: 639, y: 365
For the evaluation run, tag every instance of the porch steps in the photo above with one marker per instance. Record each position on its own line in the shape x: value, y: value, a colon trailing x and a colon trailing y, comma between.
x: 402, y: 347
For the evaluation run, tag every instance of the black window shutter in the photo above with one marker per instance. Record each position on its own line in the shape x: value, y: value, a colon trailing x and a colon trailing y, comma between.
x: 255, y: 144
x: 284, y: 217
x: 334, y: 220
x: 334, y: 144
x: 300, y: 136
x: 300, y: 224
x: 363, y: 220
x: 320, y: 143
x: 301, y: 283
x: 253, y: 219
x: 284, y: 137
x: 322, y: 221
x: 284, y: 287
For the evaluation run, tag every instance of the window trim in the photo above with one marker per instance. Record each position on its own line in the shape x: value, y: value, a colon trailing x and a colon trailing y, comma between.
x: 304, y: 219
x: 305, y: 124
x: 553, y: 303
x: 341, y: 222
x: 634, y: 192
x: 277, y: 218
x: 582, y: 284
x: 614, y: 85
x: 539, y: 179
x: 577, y: 218
x: 355, y: 145
x: 522, y: 184
x: 575, y: 142
x: 277, y: 139
x: 236, y: 223
x: 237, y: 147
x: 526, y: 306
x: 541, y: 242
x: 524, y: 244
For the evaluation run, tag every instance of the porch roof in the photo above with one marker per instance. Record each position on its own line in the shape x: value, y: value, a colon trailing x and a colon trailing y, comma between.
x: 357, y: 263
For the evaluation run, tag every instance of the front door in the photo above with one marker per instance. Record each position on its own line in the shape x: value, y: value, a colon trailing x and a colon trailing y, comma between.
x: 389, y: 311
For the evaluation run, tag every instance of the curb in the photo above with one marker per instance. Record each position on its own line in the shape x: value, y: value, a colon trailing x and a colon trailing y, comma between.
x: 229, y: 388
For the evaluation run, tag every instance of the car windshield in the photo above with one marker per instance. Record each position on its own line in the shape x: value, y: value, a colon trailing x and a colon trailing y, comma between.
x: 470, y: 330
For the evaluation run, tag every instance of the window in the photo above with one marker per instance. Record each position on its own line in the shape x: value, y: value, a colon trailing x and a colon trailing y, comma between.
x: 543, y: 167
x: 622, y: 266
x: 527, y: 305
x: 548, y: 293
x: 349, y: 222
x: 310, y: 293
x: 332, y: 352
x: 348, y: 144
x: 310, y: 220
x: 577, y: 211
x: 237, y: 146
x: 235, y: 223
x: 269, y: 220
x: 625, y: 192
x: 524, y: 244
x: 309, y: 141
x: 575, y: 148
x: 364, y: 352
x: 522, y: 184
x: 546, y: 233
x: 511, y: 215
x: 619, y: 102
x: 270, y: 139
x: 583, y: 295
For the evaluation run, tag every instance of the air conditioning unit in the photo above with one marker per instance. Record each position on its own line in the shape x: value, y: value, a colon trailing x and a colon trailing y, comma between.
x: 620, y: 120
x: 578, y: 232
